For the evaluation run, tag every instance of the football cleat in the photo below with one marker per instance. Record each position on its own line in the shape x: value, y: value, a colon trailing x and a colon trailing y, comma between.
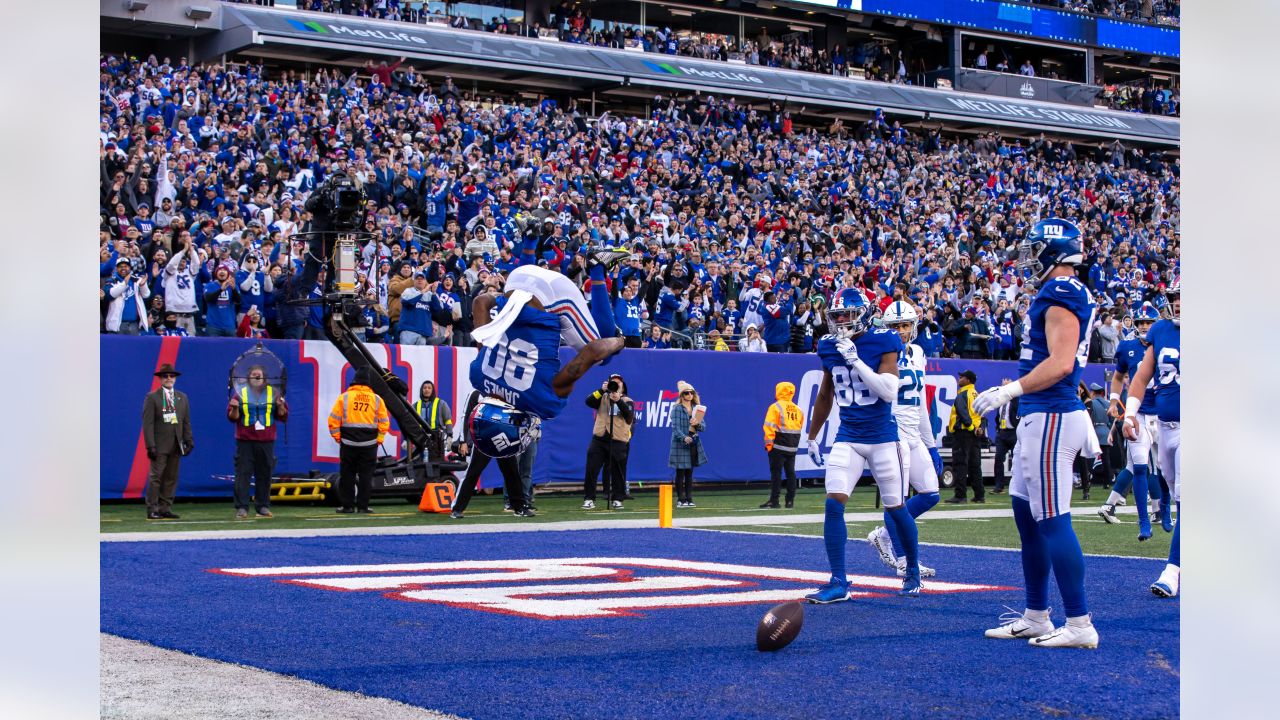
x: 616, y: 505
x: 836, y: 590
x: 911, y: 584
x: 588, y: 504
x: 1108, y: 513
x: 526, y: 512
x: 925, y: 570
x: 880, y: 542
x: 1167, y: 585
x: 1144, y: 529
x: 455, y: 514
x: 1166, y: 517
x: 1017, y: 626
x: 1069, y: 636
x: 608, y: 257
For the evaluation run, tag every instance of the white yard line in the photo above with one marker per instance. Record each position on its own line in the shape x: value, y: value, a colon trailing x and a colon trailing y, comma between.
x: 136, y: 677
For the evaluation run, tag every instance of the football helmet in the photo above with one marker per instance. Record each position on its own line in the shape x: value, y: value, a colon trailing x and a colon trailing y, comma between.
x: 1050, y: 242
x: 1145, y: 315
x: 850, y: 313
x: 901, y: 313
x: 1173, y: 309
x: 499, y: 430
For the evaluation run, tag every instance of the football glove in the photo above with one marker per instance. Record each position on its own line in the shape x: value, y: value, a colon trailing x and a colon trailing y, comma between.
x: 848, y: 350
x: 996, y: 397
x: 815, y: 453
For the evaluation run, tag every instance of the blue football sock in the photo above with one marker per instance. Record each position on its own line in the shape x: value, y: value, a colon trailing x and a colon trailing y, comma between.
x: 1068, y: 562
x: 601, y: 303
x: 1140, y: 492
x: 529, y: 251
x: 906, y: 527
x: 836, y: 535
x: 1035, y: 556
x: 1175, y: 551
x: 1164, y: 488
x: 917, y: 505
x: 1124, y: 479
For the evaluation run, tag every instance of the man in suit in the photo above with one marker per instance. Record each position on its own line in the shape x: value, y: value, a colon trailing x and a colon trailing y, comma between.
x: 166, y: 429
x: 1006, y: 438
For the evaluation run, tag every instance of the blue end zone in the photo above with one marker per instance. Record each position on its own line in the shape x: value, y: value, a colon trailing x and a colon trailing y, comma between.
x: 877, y: 656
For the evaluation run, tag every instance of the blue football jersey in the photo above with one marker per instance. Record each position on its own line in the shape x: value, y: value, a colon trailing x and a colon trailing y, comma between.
x: 519, y: 367
x: 1061, y: 397
x: 1128, y: 357
x: 864, y: 417
x: 1166, y: 345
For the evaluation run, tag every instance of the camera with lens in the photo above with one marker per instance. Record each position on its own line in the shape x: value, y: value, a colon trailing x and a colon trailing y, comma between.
x: 613, y: 386
x: 340, y: 200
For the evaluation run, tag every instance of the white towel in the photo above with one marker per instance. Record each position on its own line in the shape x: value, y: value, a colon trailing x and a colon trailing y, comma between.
x: 488, y: 335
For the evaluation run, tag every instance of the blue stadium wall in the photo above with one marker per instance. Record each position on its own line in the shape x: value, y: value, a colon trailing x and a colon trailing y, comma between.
x: 736, y: 388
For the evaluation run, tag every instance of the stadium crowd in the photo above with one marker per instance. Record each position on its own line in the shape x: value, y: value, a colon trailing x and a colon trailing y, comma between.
x: 877, y: 60
x: 741, y: 222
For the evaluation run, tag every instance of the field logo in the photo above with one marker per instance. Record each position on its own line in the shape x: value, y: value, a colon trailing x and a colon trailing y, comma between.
x: 574, y: 588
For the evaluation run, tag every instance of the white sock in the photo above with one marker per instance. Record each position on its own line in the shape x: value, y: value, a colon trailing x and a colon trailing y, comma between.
x: 1114, y: 498
x: 1082, y: 621
x: 1036, y: 615
x: 1169, y: 567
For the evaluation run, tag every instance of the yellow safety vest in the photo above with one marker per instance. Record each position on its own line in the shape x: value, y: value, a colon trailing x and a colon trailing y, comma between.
x: 244, y: 405
x: 435, y: 411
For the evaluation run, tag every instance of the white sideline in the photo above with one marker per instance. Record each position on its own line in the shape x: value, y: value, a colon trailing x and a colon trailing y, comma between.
x: 469, y: 529
x: 144, y: 682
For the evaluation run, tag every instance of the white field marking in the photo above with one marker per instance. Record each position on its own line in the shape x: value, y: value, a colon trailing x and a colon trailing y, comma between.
x: 926, y: 544
x: 445, y: 528
x: 137, y: 676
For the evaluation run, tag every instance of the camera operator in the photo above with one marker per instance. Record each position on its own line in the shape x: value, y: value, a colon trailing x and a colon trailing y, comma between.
x: 336, y: 205
x: 610, y: 441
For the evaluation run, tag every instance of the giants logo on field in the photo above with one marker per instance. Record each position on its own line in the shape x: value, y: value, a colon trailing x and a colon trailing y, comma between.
x: 568, y: 588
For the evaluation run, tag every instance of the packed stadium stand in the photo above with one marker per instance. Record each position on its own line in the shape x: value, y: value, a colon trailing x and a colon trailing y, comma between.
x: 718, y: 195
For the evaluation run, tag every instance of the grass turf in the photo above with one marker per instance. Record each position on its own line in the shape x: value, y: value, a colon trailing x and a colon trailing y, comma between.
x: 1096, y: 537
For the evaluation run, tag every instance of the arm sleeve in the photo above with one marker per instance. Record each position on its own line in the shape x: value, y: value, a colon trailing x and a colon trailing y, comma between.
x: 626, y: 411
x: 593, y: 400
x: 335, y: 420
x: 926, y: 425
x: 384, y: 422
x: 883, y: 385
x: 771, y: 426
x: 148, y: 424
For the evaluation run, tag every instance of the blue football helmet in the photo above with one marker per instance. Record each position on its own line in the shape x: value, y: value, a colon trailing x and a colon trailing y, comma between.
x: 499, y: 430
x: 1146, y: 314
x: 1050, y: 242
x: 850, y: 313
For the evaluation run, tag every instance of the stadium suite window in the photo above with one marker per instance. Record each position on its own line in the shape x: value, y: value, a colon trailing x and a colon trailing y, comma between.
x: 482, y: 10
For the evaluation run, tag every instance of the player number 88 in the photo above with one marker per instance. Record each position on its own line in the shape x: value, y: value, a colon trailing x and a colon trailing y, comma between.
x: 850, y: 389
x: 511, y: 361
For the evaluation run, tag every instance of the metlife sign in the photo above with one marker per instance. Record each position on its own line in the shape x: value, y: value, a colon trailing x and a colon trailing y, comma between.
x: 246, y: 25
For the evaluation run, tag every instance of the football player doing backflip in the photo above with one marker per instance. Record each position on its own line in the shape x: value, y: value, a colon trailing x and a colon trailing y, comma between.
x: 915, y: 427
x: 1053, y: 430
x: 860, y: 373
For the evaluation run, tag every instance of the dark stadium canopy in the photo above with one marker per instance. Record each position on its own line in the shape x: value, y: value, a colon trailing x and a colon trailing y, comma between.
x: 534, y: 64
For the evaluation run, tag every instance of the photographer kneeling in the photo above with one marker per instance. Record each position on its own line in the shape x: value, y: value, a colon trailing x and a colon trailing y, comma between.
x: 610, y: 441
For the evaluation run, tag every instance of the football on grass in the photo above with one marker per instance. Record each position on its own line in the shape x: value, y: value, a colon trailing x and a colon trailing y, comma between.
x: 779, y: 626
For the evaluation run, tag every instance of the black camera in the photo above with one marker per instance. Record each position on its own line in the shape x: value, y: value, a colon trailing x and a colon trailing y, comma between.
x: 613, y: 386
x: 341, y: 199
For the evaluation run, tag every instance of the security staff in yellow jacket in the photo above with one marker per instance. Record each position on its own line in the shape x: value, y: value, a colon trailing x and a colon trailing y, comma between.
x: 782, y: 426
x: 966, y: 430
x: 358, y: 422
x: 438, y: 416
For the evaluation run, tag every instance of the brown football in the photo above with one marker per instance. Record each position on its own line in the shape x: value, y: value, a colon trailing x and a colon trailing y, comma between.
x: 779, y: 626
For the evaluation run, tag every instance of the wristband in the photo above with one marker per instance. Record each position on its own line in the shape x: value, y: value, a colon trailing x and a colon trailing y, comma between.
x: 1131, y: 406
x: 1014, y: 389
x: 1115, y: 397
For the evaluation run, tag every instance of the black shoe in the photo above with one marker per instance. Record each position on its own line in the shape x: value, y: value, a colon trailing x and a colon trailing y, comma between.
x: 998, y: 491
x: 154, y: 516
x: 980, y: 501
x: 627, y: 497
x: 345, y: 511
x: 957, y: 501
x: 455, y: 515
x: 1085, y: 496
x: 770, y: 504
x: 365, y: 511
x: 170, y: 515
x: 609, y: 257
x: 507, y: 508
x: 527, y: 512
x: 790, y: 504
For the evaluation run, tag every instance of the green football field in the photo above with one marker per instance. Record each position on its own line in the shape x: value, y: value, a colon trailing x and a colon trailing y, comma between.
x: 738, y: 507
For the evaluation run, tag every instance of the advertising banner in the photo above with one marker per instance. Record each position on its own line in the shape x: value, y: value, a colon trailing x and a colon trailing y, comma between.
x: 736, y: 388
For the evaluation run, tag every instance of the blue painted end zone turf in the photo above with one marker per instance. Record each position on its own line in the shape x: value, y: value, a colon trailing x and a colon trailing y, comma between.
x: 875, y: 657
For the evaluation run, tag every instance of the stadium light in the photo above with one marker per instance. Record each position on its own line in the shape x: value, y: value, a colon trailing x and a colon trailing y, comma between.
x: 199, y: 13
x: 136, y: 5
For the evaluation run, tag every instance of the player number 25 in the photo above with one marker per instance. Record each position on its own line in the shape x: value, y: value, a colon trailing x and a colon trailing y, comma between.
x: 511, y: 361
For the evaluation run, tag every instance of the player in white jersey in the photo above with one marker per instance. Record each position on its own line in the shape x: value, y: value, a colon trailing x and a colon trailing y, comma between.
x: 916, y: 429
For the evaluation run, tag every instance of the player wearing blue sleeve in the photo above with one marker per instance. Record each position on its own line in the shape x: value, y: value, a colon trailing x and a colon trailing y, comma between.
x: 1163, y: 361
x: 1140, y: 465
x: 1053, y: 430
x: 915, y: 427
x: 868, y: 435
